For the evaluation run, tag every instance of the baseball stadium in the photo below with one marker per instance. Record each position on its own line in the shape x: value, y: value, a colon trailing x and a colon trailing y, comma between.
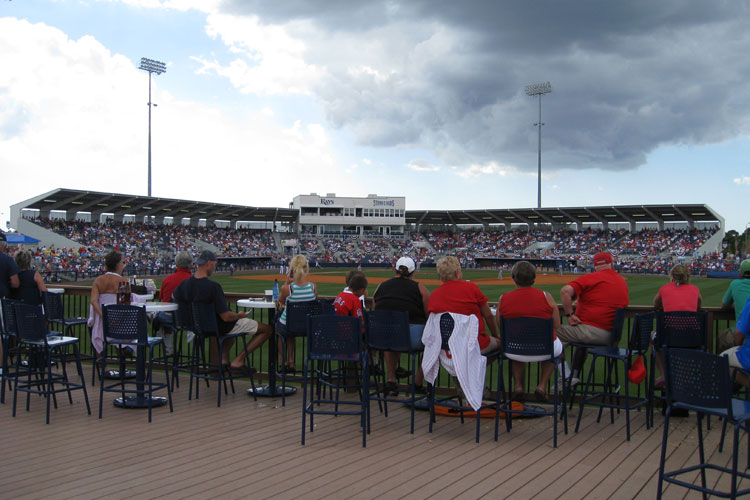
x: 69, y: 234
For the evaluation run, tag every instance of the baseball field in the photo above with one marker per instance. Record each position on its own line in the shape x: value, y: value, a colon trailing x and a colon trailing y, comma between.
x: 331, y: 281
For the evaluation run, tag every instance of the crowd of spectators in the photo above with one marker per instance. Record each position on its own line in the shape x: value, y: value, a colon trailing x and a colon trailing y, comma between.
x: 149, y: 249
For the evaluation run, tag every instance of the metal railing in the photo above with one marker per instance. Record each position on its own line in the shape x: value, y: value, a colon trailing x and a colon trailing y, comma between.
x: 76, y: 304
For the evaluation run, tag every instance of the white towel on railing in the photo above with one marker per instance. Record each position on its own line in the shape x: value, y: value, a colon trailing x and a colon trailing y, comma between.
x: 464, y: 361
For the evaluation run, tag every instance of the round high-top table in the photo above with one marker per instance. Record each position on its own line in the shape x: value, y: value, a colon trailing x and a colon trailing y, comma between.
x: 141, y: 400
x: 270, y: 390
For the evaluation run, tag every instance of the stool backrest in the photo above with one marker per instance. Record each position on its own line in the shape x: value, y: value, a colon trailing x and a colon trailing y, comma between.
x: 9, y: 316
x: 183, y: 316
x: 640, y: 336
x: 387, y: 330
x: 617, y: 327
x: 298, y: 312
x: 446, y: 330
x: 681, y: 329
x: 698, y: 378
x: 527, y: 336
x: 53, y: 306
x: 331, y: 337
x: 204, y: 319
x: 30, y: 322
x: 125, y: 322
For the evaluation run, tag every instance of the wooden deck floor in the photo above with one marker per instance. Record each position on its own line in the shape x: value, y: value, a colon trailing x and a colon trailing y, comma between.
x: 248, y: 449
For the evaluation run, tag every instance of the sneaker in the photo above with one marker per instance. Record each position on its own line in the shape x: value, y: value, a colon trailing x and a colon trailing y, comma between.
x: 574, y: 381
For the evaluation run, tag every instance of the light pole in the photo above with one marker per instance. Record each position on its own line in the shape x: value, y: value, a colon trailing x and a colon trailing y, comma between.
x: 539, y: 89
x: 152, y: 67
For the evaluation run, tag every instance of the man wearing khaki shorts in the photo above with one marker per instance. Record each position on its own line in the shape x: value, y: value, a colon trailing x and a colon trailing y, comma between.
x: 599, y: 295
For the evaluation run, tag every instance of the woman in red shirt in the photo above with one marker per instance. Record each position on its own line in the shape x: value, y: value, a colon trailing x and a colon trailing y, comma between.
x: 529, y: 302
x: 677, y: 295
x: 463, y: 297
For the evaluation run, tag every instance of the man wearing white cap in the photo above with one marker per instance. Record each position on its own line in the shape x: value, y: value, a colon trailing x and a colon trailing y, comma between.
x: 402, y: 293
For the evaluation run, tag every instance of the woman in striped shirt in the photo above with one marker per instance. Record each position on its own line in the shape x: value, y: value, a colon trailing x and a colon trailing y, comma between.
x: 296, y: 289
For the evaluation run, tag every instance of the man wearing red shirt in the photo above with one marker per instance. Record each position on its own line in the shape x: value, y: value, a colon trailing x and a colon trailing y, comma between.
x: 184, y: 261
x: 599, y: 294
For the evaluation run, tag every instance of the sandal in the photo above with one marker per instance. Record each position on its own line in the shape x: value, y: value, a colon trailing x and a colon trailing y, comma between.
x: 541, y: 396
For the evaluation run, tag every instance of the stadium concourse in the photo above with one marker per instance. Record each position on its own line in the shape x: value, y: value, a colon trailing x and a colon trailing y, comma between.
x: 77, y: 228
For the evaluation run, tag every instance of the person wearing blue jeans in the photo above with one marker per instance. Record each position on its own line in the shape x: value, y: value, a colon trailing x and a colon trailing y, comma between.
x: 402, y: 293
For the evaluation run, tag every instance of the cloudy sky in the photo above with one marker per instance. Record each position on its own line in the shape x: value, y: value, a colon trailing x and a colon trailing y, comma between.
x: 265, y: 100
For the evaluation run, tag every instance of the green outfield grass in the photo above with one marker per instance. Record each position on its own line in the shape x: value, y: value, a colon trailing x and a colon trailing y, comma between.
x: 642, y: 288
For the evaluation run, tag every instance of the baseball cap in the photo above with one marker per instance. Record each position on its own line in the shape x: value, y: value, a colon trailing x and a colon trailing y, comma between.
x: 205, y: 256
x: 603, y: 258
x: 407, y: 262
x: 745, y: 269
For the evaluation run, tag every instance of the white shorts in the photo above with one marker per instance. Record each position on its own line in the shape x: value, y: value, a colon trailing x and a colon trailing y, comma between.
x: 531, y: 359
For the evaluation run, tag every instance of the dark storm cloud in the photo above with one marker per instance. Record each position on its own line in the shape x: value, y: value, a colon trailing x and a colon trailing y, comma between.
x: 448, y: 76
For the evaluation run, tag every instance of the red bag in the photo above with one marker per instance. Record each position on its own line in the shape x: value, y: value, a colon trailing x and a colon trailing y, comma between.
x: 637, y: 372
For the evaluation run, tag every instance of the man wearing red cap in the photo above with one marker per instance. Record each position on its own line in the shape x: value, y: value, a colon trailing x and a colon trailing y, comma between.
x: 599, y: 294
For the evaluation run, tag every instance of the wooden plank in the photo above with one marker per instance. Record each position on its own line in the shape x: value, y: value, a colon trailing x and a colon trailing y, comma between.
x: 252, y: 449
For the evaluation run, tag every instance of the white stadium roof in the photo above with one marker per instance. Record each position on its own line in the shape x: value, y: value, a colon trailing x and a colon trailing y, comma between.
x: 71, y: 200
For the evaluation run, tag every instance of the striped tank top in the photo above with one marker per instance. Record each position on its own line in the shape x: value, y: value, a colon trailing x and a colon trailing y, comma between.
x: 298, y: 294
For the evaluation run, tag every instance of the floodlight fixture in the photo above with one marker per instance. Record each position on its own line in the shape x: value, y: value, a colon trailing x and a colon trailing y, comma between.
x: 157, y: 67
x: 536, y: 88
x: 539, y: 89
x: 152, y: 66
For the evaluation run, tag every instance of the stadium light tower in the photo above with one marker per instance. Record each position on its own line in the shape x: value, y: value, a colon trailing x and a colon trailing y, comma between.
x: 539, y: 89
x: 152, y: 67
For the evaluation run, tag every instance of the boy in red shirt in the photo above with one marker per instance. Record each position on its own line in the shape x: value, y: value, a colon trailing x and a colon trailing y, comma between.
x: 348, y: 303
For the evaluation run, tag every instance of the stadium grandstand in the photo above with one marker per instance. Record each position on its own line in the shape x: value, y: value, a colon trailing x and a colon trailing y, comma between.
x: 75, y: 229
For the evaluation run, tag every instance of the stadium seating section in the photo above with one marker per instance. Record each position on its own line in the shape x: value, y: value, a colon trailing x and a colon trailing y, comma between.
x: 150, y: 249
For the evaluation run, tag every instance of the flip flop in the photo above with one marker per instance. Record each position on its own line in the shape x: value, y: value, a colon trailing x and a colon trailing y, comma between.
x: 541, y: 396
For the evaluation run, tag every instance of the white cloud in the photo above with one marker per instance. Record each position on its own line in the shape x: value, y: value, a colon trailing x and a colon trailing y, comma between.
x: 367, y: 161
x: 742, y: 180
x: 181, y: 5
x: 72, y: 115
x: 422, y: 166
x: 492, y: 168
x: 269, y: 61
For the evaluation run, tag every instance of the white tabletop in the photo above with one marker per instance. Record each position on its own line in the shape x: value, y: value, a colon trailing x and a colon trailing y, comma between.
x: 145, y: 296
x: 160, y: 306
x: 255, y: 304
x: 56, y: 290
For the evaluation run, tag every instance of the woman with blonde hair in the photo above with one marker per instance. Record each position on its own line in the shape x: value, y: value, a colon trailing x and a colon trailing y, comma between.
x: 677, y: 295
x: 296, y: 289
x: 457, y: 295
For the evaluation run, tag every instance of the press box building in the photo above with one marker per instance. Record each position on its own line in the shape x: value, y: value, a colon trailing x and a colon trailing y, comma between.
x: 371, y: 216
